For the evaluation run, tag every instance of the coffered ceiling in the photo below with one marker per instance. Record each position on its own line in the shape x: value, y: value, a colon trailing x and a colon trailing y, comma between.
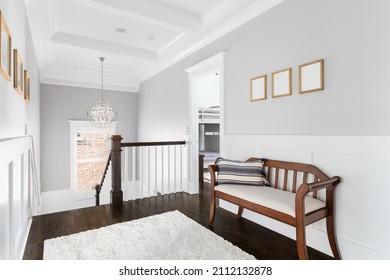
x: 138, y: 38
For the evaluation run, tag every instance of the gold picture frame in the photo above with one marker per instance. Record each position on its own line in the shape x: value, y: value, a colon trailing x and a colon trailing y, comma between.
x: 311, y: 76
x: 281, y: 83
x: 26, y: 86
x: 18, y: 72
x: 259, y: 88
x: 5, y: 49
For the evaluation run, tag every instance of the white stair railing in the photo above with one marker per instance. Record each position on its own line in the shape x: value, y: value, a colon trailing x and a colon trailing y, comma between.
x: 154, y: 168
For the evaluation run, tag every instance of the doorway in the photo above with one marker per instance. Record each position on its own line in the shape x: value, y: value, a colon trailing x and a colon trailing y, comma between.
x: 208, y: 105
x: 206, y: 129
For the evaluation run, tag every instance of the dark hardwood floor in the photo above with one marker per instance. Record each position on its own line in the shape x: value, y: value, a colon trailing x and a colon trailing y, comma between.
x: 251, y: 237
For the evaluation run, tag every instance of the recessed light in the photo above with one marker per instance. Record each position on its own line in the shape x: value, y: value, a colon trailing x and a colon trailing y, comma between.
x: 120, y: 30
x: 151, y: 37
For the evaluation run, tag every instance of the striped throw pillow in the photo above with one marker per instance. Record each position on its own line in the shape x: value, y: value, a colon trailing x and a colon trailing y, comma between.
x: 241, y: 172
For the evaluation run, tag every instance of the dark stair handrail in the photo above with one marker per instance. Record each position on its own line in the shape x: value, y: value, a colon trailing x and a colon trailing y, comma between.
x: 98, y: 187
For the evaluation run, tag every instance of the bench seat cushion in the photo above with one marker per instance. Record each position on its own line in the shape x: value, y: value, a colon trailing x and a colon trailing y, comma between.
x: 279, y: 200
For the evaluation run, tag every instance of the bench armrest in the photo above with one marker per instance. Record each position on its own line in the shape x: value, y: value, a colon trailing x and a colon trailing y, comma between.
x: 305, y: 188
x: 331, y: 182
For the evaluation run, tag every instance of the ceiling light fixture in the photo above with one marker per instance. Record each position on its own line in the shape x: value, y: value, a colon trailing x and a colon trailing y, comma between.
x: 101, y: 114
x: 120, y: 30
x: 151, y: 37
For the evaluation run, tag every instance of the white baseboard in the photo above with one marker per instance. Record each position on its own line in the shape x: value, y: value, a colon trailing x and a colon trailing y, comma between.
x: 66, y: 199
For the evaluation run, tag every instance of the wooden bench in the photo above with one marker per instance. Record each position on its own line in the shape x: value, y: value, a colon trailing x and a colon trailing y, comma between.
x: 291, y: 199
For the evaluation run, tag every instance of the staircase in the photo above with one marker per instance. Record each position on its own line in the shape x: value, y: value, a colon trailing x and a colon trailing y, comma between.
x: 148, y: 168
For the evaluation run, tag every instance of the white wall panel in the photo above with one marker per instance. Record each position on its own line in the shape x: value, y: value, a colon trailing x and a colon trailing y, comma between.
x: 16, y: 203
x: 361, y: 204
x: 4, y: 211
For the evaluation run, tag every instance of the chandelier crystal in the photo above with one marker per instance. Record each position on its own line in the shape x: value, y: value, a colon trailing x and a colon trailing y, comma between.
x: 101, y: 114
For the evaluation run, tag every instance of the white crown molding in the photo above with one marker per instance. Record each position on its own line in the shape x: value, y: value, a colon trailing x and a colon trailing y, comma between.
x: 83, y: 78
x: 61, y: 82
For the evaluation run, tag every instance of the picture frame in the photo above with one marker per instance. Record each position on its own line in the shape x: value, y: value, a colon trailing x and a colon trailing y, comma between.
x: 18, y: 72
x: 311, y: 76
x: 5, y: 49
x: 26, y: 86
x: 281, y: 83
x: 259, y: 88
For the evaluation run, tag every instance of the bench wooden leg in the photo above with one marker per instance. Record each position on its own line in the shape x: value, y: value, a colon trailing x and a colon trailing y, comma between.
x: 212, y: 209
x: 301, y: 243
x: 301, y: 234
x: 332, y: 237
x: 239, y: 212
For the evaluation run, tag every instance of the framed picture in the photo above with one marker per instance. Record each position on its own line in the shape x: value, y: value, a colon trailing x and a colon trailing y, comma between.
x: 18, y: 72
x: 5, y: 49
x: 26, y: 86
x: 311, y: 76
x: 281, y: 83
x: 259, y: 88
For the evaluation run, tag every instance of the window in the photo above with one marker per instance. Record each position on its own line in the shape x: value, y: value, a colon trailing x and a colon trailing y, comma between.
x: 90, y: 147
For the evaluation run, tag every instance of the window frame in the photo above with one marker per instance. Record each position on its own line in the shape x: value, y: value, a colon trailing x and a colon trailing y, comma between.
x: 82, y: 126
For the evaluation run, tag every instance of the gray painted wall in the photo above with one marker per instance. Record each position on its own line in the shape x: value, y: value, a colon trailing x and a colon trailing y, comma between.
x: 163, y: 106
x: 349, y: 35
x: 59, y: 104
x: 15, y: 113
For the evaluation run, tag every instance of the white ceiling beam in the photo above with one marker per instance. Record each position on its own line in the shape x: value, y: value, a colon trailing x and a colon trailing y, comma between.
x: 101, y: 45
x: 80, y: 78
x: 148, y: 12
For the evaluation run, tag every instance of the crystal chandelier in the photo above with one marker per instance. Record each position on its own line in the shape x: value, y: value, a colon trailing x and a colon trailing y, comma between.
x: 101, y: 114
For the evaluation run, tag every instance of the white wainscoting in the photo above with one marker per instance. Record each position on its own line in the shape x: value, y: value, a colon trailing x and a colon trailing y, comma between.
x: 19, y: 195
x: 362, y: 205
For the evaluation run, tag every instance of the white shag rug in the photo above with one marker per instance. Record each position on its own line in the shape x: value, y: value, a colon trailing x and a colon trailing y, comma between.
x: 168, y: 236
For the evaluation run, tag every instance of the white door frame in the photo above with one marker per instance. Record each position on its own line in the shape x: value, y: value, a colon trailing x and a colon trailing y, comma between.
x: 212, y: 64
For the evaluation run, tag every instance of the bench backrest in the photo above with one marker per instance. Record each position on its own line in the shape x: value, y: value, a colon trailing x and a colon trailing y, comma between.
x: 288, y: 176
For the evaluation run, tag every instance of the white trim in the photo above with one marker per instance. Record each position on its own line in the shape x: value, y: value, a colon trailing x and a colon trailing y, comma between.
x: 75, y: 126
x: 214, y: 63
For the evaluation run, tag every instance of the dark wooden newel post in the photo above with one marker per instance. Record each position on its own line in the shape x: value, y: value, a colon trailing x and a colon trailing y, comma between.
x: 116, y: 190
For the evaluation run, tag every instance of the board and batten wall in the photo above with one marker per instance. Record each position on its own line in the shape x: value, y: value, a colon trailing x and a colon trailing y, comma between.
x: 344, y: 129
x: 18, y: 119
